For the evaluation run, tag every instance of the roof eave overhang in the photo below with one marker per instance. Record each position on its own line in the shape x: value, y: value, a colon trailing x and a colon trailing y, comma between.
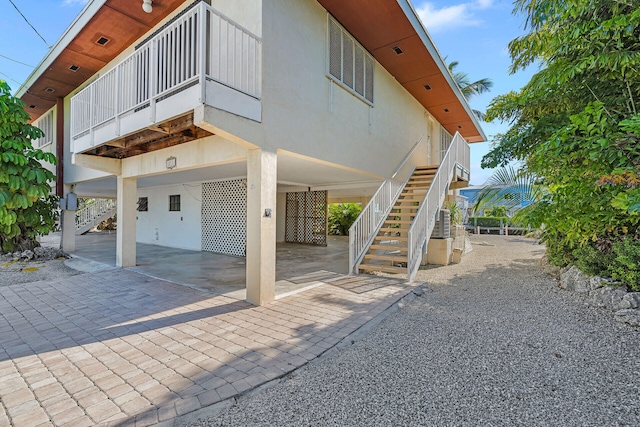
x: 412, y: 15
x: 381, y: 26
x: 72, y: 31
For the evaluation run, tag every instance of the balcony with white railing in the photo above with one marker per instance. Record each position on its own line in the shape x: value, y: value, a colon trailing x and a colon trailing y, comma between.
x: 201, y: 58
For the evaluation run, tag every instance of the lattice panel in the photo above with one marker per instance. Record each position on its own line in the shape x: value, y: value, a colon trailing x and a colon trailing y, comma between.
x: 224, y: 217
x: 306, y: 218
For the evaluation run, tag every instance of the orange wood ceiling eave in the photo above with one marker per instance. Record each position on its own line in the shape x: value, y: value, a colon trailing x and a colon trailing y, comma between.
x: 122, y: 22
x: 380, y: 25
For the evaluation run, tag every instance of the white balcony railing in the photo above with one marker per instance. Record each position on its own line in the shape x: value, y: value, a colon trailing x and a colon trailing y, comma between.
x: 203, y: 53
x: 456, y: 160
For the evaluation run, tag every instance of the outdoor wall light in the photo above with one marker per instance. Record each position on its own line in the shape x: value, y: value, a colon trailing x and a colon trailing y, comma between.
x: 146, y: 6
x: 172, y: 162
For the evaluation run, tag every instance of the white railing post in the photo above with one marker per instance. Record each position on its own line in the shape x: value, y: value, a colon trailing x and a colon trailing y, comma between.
x: 117, y: 101
x: 91, y: 111
x: 202, y: 54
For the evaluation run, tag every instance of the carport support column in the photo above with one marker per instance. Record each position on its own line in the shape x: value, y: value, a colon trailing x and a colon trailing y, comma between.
x: 126, y: 229
x: 261, y: 226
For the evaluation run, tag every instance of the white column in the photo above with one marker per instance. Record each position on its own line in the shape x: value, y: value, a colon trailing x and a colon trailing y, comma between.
x: 261, y: 226
x: 68, y: 224
x: 126, y: 230
x: 68, y: 220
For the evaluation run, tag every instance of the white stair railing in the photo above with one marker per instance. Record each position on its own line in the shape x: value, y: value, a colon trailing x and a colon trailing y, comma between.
x: 366, y: 226
x: 455, y: 159
x: 93, y: 211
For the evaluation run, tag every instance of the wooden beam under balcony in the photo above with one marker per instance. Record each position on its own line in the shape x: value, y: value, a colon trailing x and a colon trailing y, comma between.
x: 167, y: 134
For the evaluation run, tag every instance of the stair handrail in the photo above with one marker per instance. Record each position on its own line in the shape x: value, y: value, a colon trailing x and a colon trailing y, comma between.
x: 92, y: 211
x: 366, y: 226
x: 456, y: 157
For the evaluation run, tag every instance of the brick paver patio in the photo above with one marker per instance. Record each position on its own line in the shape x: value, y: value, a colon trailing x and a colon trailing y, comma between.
x: 119, y: 348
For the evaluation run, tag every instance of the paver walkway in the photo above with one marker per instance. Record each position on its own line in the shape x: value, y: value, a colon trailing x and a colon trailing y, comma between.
x: 119, y: 348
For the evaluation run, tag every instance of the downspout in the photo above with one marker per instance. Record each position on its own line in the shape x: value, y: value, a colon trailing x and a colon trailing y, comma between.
x: 60, y: 147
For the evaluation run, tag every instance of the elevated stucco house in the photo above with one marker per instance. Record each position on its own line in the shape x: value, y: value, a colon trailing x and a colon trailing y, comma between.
x: 227, y: 126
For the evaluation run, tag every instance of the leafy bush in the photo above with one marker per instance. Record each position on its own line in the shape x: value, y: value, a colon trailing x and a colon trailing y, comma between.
x: 497, y: 210
x: 626, y: 264
x: 488, y: 221
x: 592, y: 261
x: 342, y: 216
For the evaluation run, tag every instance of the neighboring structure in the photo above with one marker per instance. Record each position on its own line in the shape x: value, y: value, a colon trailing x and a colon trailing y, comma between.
x: 514, y: 198
x: 226, y: 126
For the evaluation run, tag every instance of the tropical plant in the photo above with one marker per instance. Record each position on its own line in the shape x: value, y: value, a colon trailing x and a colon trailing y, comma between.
x: 27, y: 210
x: 468, y: 88
x: 506, y: 189
x: 575, y: 126
x: 342, y: 216
x: 455, y: 213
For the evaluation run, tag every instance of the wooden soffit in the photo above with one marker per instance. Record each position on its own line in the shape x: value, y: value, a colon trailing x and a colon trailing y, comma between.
x: 382, y: 25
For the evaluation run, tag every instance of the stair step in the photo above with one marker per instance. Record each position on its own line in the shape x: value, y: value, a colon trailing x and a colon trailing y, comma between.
x: 390, y: 238
x: 389, y: 248
x: 382, y: 268
x: 415, y: 208
x: 397, y: 221
x: 392, y: 258
x: 402, y: 214
x: 394, y: 230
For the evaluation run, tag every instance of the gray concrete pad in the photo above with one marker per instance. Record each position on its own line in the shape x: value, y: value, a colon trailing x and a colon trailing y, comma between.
x: 298, y: 267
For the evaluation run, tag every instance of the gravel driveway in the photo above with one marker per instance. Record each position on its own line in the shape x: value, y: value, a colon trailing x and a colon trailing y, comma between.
x: 492, y: 342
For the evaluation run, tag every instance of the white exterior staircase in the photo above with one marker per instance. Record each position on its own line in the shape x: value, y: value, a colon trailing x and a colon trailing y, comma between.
x: 391, y: 233
x: 93, y: 214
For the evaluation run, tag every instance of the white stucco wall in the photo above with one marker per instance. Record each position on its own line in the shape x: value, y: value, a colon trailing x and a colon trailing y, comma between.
x: 298, y: 113
x: 161, y: 227
x: 303, y: 114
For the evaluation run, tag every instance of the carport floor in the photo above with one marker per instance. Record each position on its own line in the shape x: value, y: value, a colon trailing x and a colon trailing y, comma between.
x: 298, y: 267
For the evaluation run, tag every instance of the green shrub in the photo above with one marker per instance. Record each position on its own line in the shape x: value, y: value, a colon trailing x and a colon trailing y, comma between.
x: 342, y: 216
x: 497, y: 211
x: 625, y: 266
x: 488, y: 221
x: 592, y: 261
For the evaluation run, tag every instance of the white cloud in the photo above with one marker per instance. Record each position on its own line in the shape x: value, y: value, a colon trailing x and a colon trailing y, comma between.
x: 440, y: 19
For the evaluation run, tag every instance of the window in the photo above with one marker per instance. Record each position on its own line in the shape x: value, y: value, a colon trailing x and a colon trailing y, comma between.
x: 174, y: 203
x: 45, y: 124
x: 143, y: 204
x: 349, y: 63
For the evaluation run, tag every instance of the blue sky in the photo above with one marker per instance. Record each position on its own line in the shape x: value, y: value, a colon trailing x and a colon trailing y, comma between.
x: 473, y: 32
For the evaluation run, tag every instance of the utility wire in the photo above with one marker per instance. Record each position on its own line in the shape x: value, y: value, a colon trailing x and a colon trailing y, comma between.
x: 34, y: 28
x: 10, y: 78
x: 16, y: 61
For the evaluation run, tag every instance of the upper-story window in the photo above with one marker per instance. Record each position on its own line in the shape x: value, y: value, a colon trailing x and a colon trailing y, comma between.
x: 45, y: 124
x: 349, y: 63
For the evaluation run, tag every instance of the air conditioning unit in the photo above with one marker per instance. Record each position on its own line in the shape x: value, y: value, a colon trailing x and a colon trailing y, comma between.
x: 442, y: 229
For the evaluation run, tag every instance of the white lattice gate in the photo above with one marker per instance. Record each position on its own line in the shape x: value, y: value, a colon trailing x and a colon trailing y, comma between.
x: 307, y: 218
x: 224, y: 217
